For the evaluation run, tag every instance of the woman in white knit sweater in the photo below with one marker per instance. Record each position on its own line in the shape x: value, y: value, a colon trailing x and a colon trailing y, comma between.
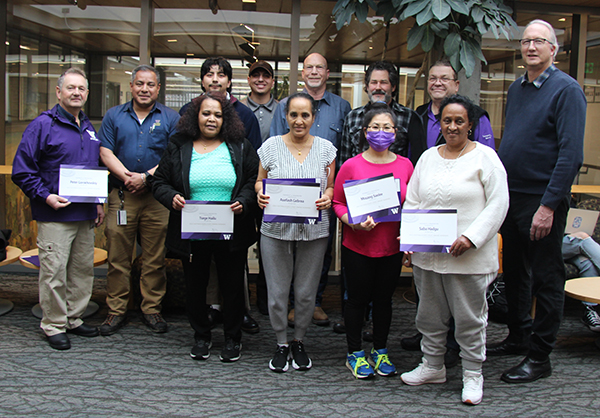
x: 469, y: 177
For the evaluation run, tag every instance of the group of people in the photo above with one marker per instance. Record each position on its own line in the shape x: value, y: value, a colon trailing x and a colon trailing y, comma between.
x: 442, y: 157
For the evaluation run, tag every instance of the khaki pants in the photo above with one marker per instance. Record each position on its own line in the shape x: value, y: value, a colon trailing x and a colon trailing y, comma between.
x: 148, y: 218
x: 66, y: 251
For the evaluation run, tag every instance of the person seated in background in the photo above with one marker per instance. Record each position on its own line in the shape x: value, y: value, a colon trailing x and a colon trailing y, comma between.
x: 583, y: 252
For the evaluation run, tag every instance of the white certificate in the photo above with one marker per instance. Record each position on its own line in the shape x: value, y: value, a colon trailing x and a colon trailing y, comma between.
x: 376, y: 196
x: 83, y: 184
x: 292, y: 201
x: 428, y: 230
x: 206, y: 220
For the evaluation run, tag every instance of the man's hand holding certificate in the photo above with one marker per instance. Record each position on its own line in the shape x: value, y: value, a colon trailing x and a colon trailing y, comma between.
x: 428, y: 230
x: 376, y: 197
x: 207, y: 220
x: 81, y: 184
x: 291, y: 200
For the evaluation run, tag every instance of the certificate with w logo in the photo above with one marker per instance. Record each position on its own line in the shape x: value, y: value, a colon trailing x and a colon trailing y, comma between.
x: 207, y: 220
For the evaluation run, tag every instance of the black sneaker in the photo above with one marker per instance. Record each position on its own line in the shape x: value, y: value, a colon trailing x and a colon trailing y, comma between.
x: 300, y: 360
x: 155, y: 322
x: 201, y: 351
x: 231, y: 351
x: 279, y: 363
x: 112, y: 324
x: 591, y: 318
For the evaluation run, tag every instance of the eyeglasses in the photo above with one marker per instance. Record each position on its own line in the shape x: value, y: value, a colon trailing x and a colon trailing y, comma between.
x: 309, y: 68
x: 384, y: 128
x: 536, y: 41
x: 443, y: 80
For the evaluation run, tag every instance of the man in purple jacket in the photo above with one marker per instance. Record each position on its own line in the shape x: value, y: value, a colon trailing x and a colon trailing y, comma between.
x: 62, y: 135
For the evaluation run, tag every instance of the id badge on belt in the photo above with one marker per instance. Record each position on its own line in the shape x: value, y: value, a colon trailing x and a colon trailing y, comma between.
x: 121, y: 213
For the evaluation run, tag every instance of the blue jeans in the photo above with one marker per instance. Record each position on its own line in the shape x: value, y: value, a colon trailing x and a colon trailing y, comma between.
x: 583, y: 254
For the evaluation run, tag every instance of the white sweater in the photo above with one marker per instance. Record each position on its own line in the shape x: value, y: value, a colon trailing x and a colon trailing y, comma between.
x: 475, y: 184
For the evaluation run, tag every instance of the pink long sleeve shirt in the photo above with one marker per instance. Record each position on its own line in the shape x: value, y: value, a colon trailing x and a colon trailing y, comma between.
x: 380, y: 241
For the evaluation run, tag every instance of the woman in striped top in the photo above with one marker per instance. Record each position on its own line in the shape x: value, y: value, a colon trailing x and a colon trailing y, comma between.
x: 294, y: 251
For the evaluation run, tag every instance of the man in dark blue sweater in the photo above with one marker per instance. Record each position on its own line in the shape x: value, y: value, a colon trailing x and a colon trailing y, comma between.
x: 542, y: 150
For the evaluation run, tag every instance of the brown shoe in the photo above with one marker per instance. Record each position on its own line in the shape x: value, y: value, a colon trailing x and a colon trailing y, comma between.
x: 320, y: 318
x: 155, y: 322
x: 112, y: 324
x: 291, y: 319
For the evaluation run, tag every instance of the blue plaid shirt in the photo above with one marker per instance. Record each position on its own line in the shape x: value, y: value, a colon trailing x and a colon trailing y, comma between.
x: 409, y: 132
x: 541, y: 78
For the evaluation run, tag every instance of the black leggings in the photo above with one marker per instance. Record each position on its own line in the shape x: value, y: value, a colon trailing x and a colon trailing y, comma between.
x: 369, y: 279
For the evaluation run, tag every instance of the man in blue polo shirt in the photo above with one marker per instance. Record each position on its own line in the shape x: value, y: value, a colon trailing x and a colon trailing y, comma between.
x: 134, y: 136
x: 328, y: 124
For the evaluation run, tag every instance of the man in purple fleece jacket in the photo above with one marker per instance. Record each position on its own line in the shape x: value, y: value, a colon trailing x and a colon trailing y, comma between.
x: 542, y: 151
x: 62, y: 135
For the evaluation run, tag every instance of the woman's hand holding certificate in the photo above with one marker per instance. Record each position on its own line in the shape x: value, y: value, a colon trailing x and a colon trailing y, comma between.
x: 292, y: 201
x: 375, y: 197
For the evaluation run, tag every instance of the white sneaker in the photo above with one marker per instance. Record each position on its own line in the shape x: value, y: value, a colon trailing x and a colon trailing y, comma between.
x: 472, y: 392
x: 424, y: 374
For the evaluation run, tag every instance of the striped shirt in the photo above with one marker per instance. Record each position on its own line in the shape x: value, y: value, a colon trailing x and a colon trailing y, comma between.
x: 279, y: 163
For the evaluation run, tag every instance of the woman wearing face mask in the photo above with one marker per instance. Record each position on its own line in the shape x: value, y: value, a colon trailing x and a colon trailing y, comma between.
x: 371, y: 258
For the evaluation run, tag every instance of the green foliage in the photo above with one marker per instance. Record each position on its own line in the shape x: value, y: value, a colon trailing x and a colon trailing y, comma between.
x: 452, y: 27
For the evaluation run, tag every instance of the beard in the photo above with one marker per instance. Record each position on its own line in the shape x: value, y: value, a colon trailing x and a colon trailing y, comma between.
x: 387, y: 96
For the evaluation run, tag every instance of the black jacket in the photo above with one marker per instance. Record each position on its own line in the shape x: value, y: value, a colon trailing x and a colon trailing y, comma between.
x: 173, y: 177
x: 422, y: 112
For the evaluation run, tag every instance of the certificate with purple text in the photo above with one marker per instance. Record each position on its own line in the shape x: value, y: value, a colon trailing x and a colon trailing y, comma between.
x: 83, y: 184
x: 376, y: 197
x: 207, y: 220
x: 292, y: 200
x: 428, y: 230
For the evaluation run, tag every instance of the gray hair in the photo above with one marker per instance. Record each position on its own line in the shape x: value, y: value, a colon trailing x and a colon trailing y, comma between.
x: 553, y: 41
x: 72, y: 70
x: 145, y: 67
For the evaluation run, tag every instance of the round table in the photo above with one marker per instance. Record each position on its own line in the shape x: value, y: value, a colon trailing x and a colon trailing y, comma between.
x: 100, y: 257
x: 12, y: 255
x: 586, y: 289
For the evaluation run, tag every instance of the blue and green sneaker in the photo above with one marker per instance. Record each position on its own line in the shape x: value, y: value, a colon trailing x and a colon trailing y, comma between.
x: 358, y: 365
x: 381, y: 362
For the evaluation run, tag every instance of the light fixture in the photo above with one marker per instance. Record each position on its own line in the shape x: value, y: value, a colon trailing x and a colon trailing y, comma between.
x: 26, y: 48
x: 246, y: 32
x: 190, y: 55
x: 171, y: 40
x: 248, y: 1
x: 562, y: 19
x: 370, y: 47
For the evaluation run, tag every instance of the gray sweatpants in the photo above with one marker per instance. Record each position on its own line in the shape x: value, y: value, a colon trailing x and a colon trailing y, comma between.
x: 280, y: 269
x: 461, y: 296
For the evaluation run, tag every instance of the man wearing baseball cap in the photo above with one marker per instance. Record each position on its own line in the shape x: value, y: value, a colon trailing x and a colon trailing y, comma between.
x: 260, y: 100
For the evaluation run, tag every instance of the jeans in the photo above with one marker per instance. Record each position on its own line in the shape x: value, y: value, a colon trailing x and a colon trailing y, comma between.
x: 583, y: 254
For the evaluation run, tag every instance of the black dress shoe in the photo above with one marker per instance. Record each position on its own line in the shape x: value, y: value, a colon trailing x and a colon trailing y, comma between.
x: 412, y: 343
x: 59, y: 341
x: 215, y: 317
x: 249, y: 325
x: 451, y: 357
x: 85, y: 331
x: 339, y: 328
x: 506, y: 348
x: 527, y: 371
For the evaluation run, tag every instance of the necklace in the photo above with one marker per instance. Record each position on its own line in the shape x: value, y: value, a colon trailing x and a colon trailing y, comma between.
x: 298, y: 149
x: 461, y: 151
